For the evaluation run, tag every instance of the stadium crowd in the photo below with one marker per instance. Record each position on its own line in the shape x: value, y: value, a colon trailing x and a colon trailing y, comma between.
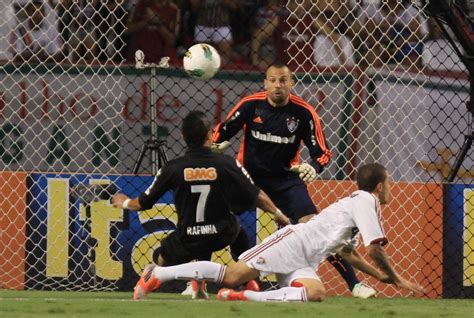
x: 250, y: 33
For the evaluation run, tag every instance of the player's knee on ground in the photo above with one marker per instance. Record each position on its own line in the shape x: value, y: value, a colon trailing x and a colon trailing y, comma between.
x: 238, y: 273
x: 314, y: 289
x: 316, y: 294
x: 230, y: 281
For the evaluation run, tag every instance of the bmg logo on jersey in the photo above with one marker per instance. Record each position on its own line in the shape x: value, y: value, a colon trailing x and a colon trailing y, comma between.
x: 200, y: 174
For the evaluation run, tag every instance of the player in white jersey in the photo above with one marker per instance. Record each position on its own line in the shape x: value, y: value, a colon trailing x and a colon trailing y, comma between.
x: 294, y: 252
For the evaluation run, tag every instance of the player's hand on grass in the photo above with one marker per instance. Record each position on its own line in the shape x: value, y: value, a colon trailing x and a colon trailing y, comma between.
x: 305, y: 171
x: 411, y: 286
x: 220, y: 147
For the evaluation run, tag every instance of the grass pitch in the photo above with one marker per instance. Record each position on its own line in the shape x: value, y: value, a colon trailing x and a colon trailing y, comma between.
x: 16, y: 304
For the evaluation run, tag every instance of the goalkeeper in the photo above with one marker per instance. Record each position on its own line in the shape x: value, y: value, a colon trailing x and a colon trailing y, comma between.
x: 275, y: 123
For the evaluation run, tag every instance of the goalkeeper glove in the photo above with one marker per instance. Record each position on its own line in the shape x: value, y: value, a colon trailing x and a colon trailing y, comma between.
x: 306, y: 172
x: 220, y: 147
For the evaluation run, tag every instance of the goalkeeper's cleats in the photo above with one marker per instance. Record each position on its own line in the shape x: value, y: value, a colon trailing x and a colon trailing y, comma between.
x: 229, y: 295
x: 252, y: 285
x: 199, y: 290
x: 363, y: 291
x: 146, y: 284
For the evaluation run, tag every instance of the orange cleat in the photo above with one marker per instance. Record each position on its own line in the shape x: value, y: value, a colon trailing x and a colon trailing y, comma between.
x: 226, y: 294
x: 252, y: 285
x: 146, y: 284
x: 199, y: 290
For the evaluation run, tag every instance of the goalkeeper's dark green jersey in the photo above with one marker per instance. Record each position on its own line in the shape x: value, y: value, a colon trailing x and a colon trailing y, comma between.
x: 208, y: 189
x: 273, y: 135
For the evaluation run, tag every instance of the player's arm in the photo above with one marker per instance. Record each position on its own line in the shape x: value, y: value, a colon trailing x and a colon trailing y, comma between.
x: 123, y: 201
x: 233, y: 123
x: 266, y: 204
x: 244, y: 195
x: 380, y: 258
x: 315, y: 140
x: 365, y: 214
x: 160, y: 185
x: 350, y: 254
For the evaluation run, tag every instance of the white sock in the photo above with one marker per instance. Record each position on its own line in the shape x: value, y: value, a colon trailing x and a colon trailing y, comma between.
x: 203, y: 270
x: 282, y: 294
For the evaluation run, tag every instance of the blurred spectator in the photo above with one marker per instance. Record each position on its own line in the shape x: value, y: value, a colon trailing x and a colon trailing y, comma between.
x: 395, y: 34
x: 290, y: 31
x: 332, y: 23
x: 263, y: 48
x: 188, y: 24
x: 242, y: 22
x: 64, y: 20
x: 111, y: 26
x: 213, y: 24
x: 35, y: 40
x: 7, y: 16
x: 154, y: 27
x: 83, y: 31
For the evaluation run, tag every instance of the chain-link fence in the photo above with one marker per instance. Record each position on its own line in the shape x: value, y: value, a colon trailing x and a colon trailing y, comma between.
x: 383, y: 77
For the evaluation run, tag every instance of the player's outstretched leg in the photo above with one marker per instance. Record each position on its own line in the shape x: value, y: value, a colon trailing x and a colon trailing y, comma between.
x: 291, y: 294
x: 154, y: 275
x: 227, y: 294
x: 147, y: 283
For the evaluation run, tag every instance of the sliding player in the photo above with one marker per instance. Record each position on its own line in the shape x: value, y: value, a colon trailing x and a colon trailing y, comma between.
x: 293, y: 252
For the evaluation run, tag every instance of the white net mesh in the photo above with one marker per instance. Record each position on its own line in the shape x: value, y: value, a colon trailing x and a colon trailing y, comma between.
x: 384, y: 80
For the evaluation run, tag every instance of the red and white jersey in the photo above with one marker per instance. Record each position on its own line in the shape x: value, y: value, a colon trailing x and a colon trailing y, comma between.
x: 305, y: 245
x: 339, y: 223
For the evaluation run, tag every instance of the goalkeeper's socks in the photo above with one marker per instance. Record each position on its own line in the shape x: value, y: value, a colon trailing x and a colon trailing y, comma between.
x: 345, y: 269
x: 202, y: 270
x: 283, y: 294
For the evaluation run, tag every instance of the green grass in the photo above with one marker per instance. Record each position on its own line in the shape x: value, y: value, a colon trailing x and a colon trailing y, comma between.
x: 118, y: 304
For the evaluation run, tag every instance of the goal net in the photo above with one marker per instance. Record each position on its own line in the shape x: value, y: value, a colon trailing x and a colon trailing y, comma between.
x: 384, y: 79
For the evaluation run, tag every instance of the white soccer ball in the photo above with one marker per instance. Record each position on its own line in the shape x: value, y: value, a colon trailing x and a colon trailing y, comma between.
x: 201, y: 61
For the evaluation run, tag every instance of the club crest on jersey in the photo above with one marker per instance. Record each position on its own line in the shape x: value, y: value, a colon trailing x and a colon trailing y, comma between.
x: 292, y: 123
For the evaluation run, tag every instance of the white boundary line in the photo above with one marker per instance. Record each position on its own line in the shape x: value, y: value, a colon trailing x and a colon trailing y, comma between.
x: 99, y: 299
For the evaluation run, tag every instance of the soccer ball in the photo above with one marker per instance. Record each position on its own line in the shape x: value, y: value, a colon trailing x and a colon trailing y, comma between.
x: 201, y: 61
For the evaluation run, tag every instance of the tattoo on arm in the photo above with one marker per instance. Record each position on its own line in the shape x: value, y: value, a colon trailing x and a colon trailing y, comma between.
x: 380, y: 258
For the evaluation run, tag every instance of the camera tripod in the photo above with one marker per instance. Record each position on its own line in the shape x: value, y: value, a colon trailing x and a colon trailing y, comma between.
x: 153, y: 145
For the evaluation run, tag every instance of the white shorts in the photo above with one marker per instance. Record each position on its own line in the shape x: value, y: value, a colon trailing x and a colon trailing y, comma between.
x: 210, y: 34
x: 285, y: 280
x: 282, y: 253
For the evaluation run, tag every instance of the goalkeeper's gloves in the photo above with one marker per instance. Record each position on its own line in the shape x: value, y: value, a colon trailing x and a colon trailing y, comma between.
x: 220, y: 147
x: 306, y: 172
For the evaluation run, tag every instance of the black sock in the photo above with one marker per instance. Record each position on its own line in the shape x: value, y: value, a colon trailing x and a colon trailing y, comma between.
x: 345, y: 269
